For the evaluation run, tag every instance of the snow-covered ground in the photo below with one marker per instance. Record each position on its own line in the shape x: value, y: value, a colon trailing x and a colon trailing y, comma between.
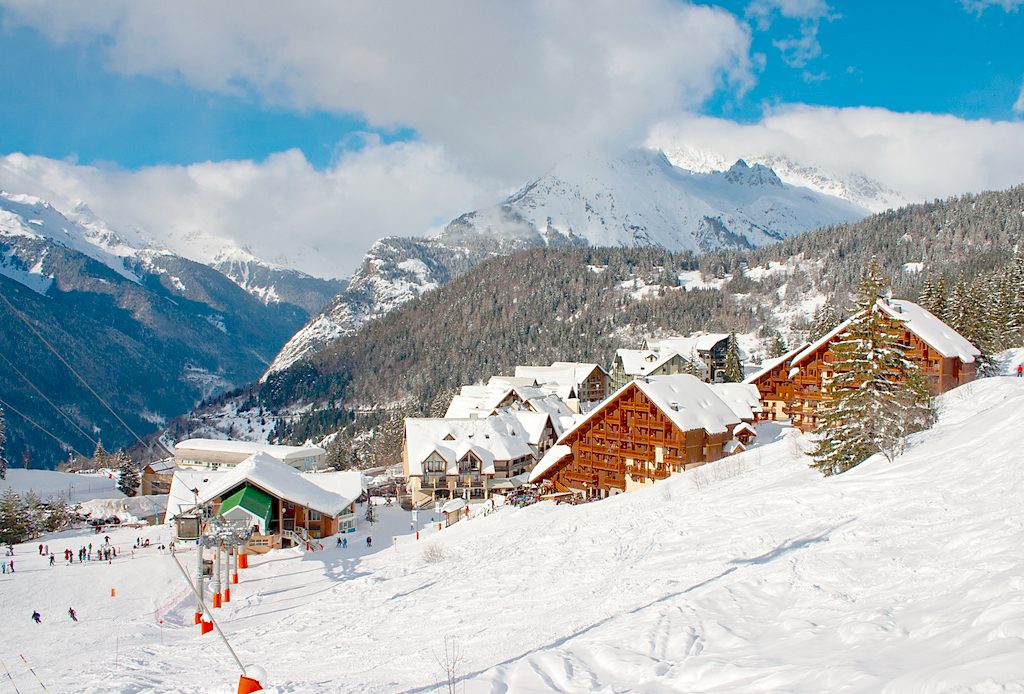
x: 72, y: 487
x: 750, y: 575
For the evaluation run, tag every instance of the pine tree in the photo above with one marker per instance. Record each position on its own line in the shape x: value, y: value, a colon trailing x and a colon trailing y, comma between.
x: 876, y: 395
x: 12, y: 520
x: 128, y: 475
x: 32, y: 513
x: 933, y: 297
x: 3, y: 446
x: 826, y: 317
x: 733, y: 371
x: 776, y: 346
x: 100, y: 457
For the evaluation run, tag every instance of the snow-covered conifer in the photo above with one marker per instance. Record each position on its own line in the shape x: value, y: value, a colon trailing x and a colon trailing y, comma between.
x: 12, y: 518
x: 876, y: 396
x: 733, y: 366
x: 128, y: 475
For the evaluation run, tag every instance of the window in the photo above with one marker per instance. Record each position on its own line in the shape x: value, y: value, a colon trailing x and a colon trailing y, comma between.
x: 313, y: 515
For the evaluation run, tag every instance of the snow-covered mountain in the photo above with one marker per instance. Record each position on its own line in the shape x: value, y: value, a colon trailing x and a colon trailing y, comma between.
x: 130, y: 253
x: 637, y: 199
x: 852, y: 187
x: 153, y: 331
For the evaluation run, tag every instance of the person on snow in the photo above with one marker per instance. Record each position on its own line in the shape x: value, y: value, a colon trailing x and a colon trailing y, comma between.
x: 1020, y: 370
x: 40, y: 550
x: 369, y: 542
x: 4, y: 565
x: 344, y: 543
x: 36, y: 616
x: 53, y: 560
x: 71, y: 613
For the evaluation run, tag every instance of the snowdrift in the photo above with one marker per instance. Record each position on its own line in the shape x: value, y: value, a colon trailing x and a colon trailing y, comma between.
x: 750, y: 575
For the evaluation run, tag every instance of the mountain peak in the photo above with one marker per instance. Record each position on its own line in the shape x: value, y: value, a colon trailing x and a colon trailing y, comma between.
x: 757, y: 175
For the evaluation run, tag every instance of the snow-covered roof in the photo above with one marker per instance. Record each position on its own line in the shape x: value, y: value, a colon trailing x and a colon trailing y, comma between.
x: 249, y: 448
x: 534, y: 423
x: 552, y: 457
x: 689, y: 403
x: 946, y: 341
x: 640, y: 362
x: 743, y: 398
x: 686, y: 400
x: 941, y: 337
x: 483, y: 401
x: 456, y: 504
x: 180, y: 497
x: 819, y: 343
x: 281, y: 480
x: 565, y: 373
x: 743, y: 426
x: 348, y: 484
x: 162, y: 466
x: 697, y: 342
x: 770, y: 364
x: 500, y: 437
x: 733, y: 446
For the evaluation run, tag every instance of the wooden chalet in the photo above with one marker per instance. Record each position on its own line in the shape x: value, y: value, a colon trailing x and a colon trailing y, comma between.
x: 282, y: 506
x: 796, y: 385
x: 156, y: 477
x: 588, y: 382
x: 631, y: 364
x: 648, y: 430
x: 774, y: 386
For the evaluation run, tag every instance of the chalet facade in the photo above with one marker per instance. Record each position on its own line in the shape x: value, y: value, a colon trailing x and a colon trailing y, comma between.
x: 446, y: 459
x: 647, y: 431
x: 710, y: 348
x: 156, y: 477
x: 797, y: 386
x: 586, y: 382
x: 774, y: 386
x: 631, y: 364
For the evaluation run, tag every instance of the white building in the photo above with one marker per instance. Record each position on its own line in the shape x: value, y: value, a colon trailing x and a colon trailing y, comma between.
x: 214, y: 454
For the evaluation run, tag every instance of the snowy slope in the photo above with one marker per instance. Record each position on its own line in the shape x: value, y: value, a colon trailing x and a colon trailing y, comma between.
x: 750, y: 575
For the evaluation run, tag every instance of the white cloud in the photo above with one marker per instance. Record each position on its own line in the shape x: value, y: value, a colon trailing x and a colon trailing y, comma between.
x: 979, y: 6
x: 281, y: 209
x: 797, y: 50
x: 1018, y: 105
x: 506, y: 88
x: 922, y: 156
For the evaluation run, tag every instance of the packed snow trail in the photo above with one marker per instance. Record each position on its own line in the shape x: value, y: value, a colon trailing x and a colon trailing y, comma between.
x: 753, y: 574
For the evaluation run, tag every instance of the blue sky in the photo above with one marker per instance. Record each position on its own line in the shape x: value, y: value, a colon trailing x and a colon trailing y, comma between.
x: 933, y: 56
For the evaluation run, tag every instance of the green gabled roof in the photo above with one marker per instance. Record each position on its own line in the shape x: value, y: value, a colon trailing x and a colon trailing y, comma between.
x: 251, y: 499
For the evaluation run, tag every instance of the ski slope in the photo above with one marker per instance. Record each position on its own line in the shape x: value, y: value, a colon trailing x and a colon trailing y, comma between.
x: 750, y: 575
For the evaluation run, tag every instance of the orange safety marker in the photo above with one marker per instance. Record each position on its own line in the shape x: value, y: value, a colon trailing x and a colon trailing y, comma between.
x: 247, y: 685
x: 227, y: 594
x: 216, y: 599
x: 205, y: 627
x: 113, y: 592
x: 243, y: 560
x: 234, y: 578
x: 417, y: 534
x: 199, y: 617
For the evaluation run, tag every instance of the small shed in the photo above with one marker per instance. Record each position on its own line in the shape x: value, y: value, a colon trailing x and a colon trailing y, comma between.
x: 454, y: 510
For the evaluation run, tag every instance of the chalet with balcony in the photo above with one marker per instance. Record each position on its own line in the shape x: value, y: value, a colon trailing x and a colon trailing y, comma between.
x: 471, y: 458
x: 709, y: 348
x: 631, y: 364
x: 587, y: 382
x: 647, y: 431
x: 946, y: 360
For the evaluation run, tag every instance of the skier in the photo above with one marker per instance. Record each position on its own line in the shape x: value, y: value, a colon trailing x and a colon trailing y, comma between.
x: 40, y: 550
x: 53, y: 560
x: 344, y: 542
x: 12, y: 565
x: 1020, y: 370
x: 338, y: 544
x: 36, y: 616
x: 4, y: 565
x: 71, y: 613
x: 369, y: 542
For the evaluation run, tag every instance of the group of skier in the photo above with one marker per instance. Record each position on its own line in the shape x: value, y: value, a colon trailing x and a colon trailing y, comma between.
x: 38, y: 618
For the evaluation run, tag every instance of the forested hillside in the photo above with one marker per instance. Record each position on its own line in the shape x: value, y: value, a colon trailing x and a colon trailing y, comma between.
x: 544, y: 305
